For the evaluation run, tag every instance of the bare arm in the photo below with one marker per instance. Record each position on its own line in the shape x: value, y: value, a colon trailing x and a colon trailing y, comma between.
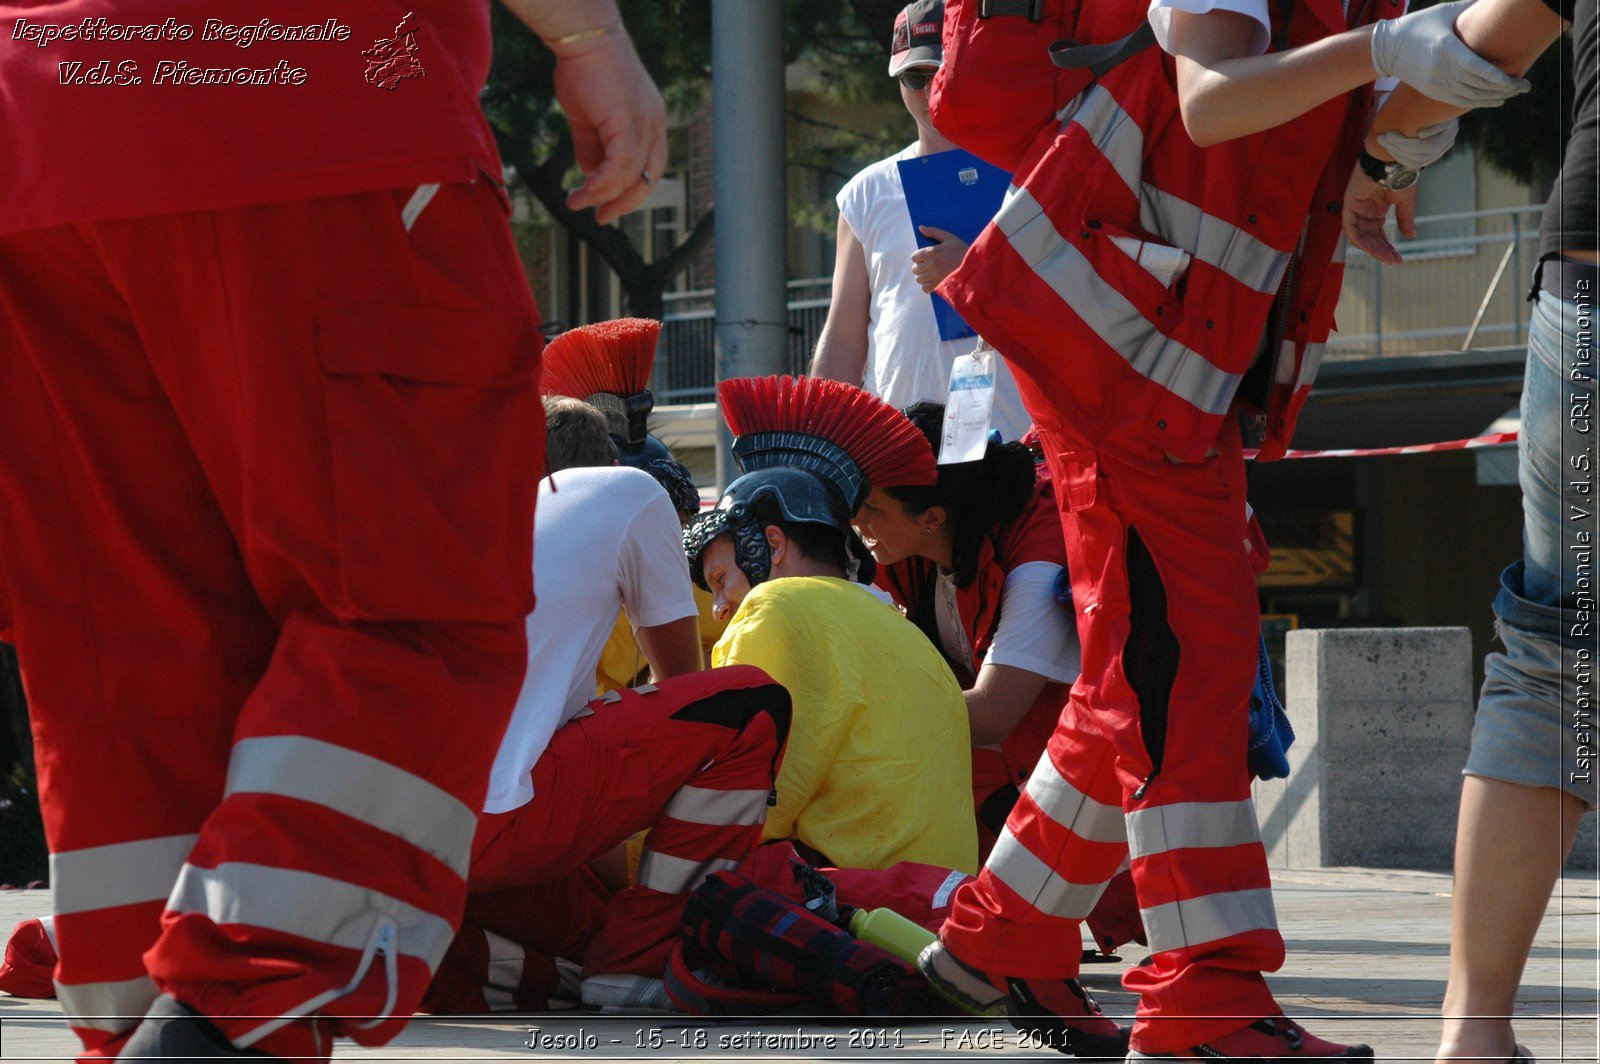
x: 1225, y: 92
x: 672, y: 649
x: 619, y: 124
x: 842, y: 347
x: 1511, y: 34
x: 1000, y: 698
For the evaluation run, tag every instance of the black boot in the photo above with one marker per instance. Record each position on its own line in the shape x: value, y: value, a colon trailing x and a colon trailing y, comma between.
x: 172, y: 1030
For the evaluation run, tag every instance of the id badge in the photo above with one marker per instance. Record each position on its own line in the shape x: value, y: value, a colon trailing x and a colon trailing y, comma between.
x: 968, y: 407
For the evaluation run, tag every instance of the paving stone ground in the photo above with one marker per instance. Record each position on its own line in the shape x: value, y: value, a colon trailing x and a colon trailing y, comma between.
x: 1367, y: 961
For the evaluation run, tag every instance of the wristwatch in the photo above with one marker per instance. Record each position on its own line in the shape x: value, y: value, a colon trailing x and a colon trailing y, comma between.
x: 1391, y: 175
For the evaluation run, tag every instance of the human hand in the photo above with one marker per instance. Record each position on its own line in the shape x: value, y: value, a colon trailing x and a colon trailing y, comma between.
x: 1422, y: 50
x: 930, y: 265
x: 1366, y: 208
x: 1424, y: 149
x: 619, y: 124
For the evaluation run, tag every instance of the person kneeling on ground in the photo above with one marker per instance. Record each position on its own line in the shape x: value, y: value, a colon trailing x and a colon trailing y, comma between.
x: 691, y: 757
x: 879, y: 763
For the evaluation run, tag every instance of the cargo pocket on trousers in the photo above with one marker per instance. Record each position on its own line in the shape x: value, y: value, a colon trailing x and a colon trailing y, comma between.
x: 433, y: 427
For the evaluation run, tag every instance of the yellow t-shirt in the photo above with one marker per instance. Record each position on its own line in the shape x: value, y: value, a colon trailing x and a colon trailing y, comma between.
x: 879, y: 763
x: 621, y: 660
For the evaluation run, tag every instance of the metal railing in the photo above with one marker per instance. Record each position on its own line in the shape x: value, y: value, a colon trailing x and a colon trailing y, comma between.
x: 1462, y: 287
x: 686, y: 363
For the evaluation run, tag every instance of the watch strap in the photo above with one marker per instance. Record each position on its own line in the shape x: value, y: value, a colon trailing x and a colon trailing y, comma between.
x: 1371, y: 165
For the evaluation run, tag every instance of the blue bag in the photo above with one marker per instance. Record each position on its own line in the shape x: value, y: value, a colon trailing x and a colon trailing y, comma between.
x: 1270, y: 733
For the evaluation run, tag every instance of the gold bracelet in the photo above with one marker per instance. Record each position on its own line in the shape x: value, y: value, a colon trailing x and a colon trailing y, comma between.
x: 582, y: 35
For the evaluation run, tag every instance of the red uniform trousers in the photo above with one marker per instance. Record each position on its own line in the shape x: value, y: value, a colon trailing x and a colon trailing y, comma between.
x: 1149, y: 759
x: 266, y: 495
x: 520, y: 950
x: 693, y: 759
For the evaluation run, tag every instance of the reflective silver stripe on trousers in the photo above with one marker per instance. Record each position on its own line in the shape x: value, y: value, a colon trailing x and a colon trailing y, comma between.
x: 122, y: 873
x: 1071, y: 808
x: 1037, y: 883
x: 1151, y: 353
x: 675, y: 875
x: 1196, y: 921
x: 701, y: 805
x: 1180, y: 223
x: 110, y: 1007
x: 505, y: 973
x: 365, y: 788
x: 315, y: 907
x: 1183, y: 825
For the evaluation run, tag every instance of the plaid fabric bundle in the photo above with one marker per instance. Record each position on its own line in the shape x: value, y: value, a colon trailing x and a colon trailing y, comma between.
x: 746, y: 947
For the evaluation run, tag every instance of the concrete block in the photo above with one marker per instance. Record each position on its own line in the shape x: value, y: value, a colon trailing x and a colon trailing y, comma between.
x: 1383, y: 722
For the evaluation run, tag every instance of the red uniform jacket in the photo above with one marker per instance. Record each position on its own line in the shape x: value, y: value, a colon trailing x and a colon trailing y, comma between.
x: 1064, y: 281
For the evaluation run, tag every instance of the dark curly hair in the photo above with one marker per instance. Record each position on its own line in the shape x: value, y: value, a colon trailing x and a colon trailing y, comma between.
x: 978, y: 497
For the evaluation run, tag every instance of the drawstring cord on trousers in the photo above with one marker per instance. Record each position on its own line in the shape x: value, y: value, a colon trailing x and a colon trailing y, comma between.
x: 380, y: 941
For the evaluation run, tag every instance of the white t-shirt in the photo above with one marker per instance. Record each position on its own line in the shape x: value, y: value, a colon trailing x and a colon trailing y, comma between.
x: 1161, y: 21
x: 1036, y: 632
x: 906, y: 360
x: 1161, y: 18
x: 603, y: 538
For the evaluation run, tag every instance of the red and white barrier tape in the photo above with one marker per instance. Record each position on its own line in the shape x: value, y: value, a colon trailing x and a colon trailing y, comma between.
x: 1490, y: 440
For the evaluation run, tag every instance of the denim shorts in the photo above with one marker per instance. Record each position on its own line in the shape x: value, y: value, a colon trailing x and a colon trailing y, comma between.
x: 1538, y: 722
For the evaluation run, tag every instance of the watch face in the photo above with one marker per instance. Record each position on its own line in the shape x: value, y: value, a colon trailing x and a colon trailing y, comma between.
x: 1401, y: 178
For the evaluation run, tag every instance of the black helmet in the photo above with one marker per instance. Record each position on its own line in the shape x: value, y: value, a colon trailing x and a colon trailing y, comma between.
x: 808, y: 450
x: 766, y: 496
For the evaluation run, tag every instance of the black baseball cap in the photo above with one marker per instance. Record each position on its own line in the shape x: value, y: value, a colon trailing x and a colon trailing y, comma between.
x: 918, y: 37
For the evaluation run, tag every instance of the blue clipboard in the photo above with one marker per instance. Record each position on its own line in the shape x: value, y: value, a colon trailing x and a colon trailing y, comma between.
x: 958, y: 192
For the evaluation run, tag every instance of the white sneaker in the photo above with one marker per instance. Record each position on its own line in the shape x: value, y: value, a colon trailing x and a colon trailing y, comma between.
x: 640, y: 995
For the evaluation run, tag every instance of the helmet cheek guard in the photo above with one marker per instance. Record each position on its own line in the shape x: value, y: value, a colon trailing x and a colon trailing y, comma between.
x: 751, y: 552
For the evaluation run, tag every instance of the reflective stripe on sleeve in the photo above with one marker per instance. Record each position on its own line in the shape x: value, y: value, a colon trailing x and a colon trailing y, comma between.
x: 1212, y: 240
x: 1071, y: 808
x: 311, y: 906
x: 1151, y: 353
x: 1196, y: 921
x: 359, y: 786
x: 114, y: 1007
x: 1309, y: 364
x: 1038, y: 884
x: 1207, y: 237
x: 121, y: 873
x: 676, y: 875
x: 1183, y: 825
x: 702, y: 805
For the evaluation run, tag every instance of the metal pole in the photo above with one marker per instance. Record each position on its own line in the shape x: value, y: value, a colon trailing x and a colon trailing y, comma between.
x: 749, y: 171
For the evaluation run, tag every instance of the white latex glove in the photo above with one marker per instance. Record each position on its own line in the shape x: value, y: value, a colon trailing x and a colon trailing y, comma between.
x: 1424, y: 149
x: 1422, y: 50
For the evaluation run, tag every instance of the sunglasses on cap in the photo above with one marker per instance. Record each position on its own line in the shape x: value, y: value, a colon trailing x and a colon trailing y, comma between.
x: 916, y: 80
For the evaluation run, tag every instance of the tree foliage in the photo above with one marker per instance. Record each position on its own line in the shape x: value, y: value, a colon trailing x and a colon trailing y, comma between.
x: 1526, y: 136
x: 674, y: 41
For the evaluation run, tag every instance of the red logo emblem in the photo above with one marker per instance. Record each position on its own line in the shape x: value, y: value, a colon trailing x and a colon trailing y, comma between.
x: 391, y: 61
